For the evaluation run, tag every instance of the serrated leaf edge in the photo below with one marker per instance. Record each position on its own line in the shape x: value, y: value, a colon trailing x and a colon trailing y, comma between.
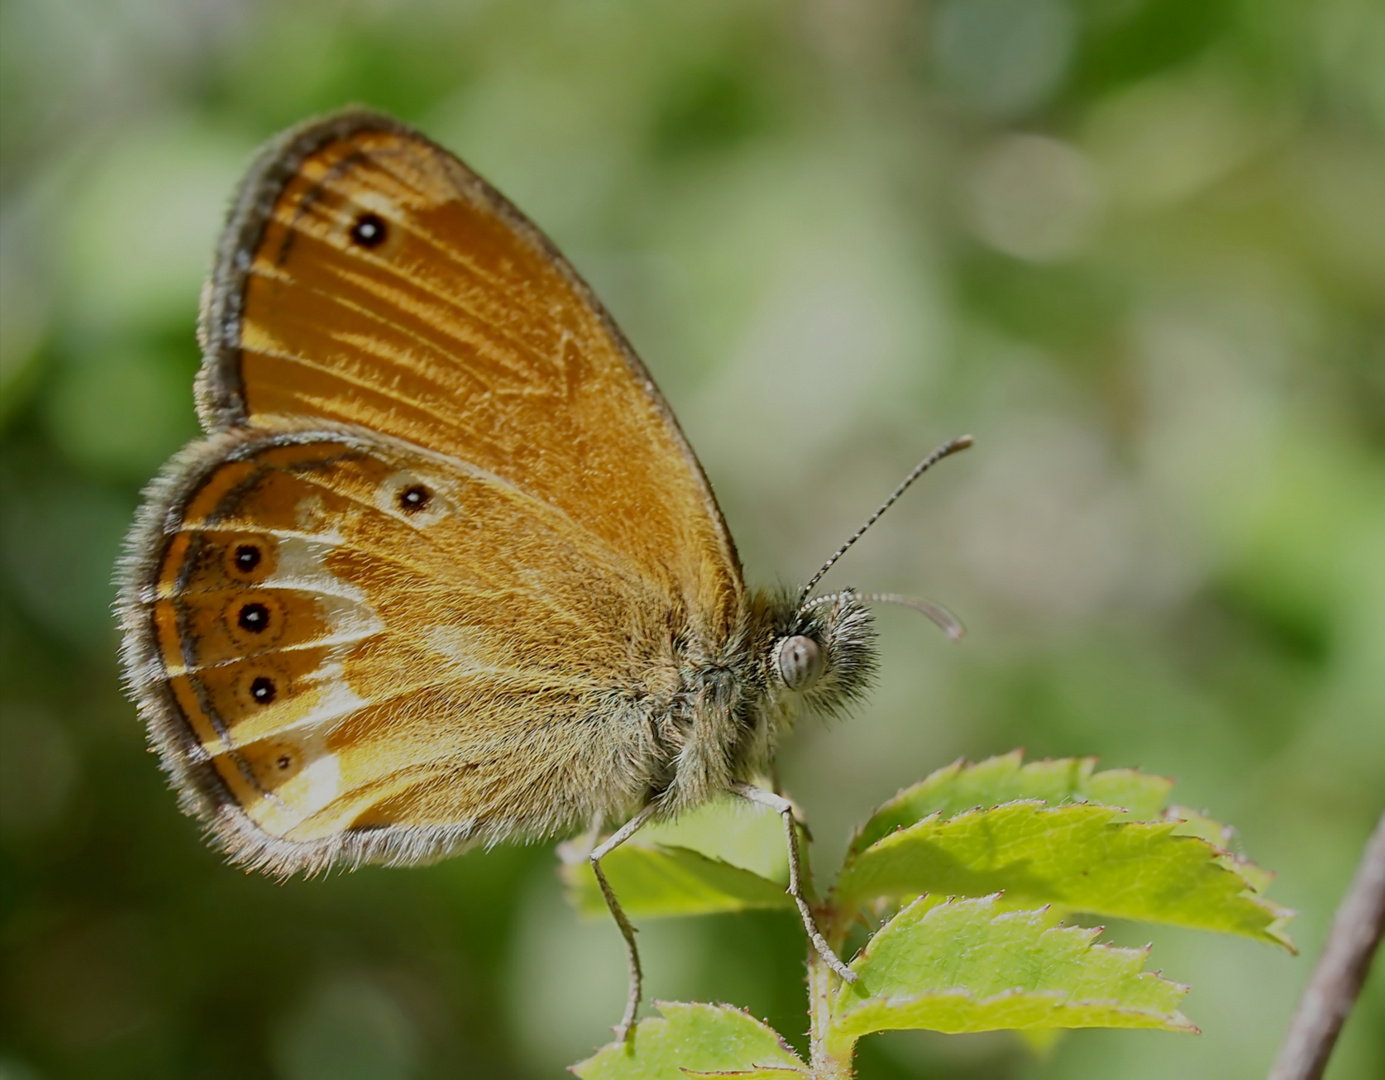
x: 1086, y: 766
x: 1279, y: 915
x: 1137, y: 956
x: 667, y: 1009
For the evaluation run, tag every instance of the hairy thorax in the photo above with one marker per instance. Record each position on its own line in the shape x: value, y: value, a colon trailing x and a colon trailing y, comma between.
x: 731, y: 707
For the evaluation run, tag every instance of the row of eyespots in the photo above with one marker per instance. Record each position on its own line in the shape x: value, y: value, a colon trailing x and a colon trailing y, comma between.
x: 251, y: 559
x: 254, y: 617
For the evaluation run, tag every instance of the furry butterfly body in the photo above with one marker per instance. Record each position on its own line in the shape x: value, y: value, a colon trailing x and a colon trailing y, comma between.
x: 444, y: 569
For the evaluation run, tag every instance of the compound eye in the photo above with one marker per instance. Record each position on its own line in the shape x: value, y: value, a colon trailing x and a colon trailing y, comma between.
x: 800, y: 662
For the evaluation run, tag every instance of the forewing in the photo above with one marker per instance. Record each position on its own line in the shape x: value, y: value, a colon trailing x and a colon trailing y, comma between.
x: 368, y: 277
x: 352, y: 650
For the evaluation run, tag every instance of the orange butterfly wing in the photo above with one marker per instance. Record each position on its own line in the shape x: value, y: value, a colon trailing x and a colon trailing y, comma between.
x: 423, y: 584
x: 458, y: 327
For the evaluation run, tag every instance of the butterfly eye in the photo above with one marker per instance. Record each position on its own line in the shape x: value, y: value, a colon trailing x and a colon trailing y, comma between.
x: 369, y: 230
x: 800, y: 661
x: 415, y: 497
x: 262, y: 690
x: 253, y: 617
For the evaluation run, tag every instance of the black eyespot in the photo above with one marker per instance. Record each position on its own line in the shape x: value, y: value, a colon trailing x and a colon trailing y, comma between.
x: 262, y: 690
x: 414, y: 498
x: 369, y: 230
x: 247, y: 558
x: 284, y: 762
x: 253, y: 617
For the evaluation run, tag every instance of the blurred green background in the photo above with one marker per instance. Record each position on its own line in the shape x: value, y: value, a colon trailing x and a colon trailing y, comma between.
x: 1137, y: 247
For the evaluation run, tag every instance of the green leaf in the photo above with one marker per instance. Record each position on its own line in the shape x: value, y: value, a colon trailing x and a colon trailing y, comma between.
x: 1193, y: 823
x: 727, y: 855
x: 695, y: 1040
x: 730, y: 829
x: 959, y: 787
x: 657, y: 882
x: 1084, y: 856
x: 968, y: 965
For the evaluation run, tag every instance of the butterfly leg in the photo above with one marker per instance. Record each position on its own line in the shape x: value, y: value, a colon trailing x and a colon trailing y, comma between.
x: 784, y: 809
x: 632, y: 1001
x: 579, y: 848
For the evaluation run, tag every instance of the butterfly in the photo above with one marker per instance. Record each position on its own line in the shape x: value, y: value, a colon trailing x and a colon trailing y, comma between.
x: 444, y: 571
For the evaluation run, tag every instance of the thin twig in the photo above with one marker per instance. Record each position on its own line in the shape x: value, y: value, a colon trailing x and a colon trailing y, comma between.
x: 1342, y: 969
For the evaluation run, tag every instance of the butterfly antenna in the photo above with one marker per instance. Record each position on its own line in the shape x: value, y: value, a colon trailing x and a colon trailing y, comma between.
x: 946, y: 450
x: 938, y: 615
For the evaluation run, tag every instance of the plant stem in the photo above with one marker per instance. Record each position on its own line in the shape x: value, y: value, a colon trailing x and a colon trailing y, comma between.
x: 828, y: 1061
x: 1341, y: 970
